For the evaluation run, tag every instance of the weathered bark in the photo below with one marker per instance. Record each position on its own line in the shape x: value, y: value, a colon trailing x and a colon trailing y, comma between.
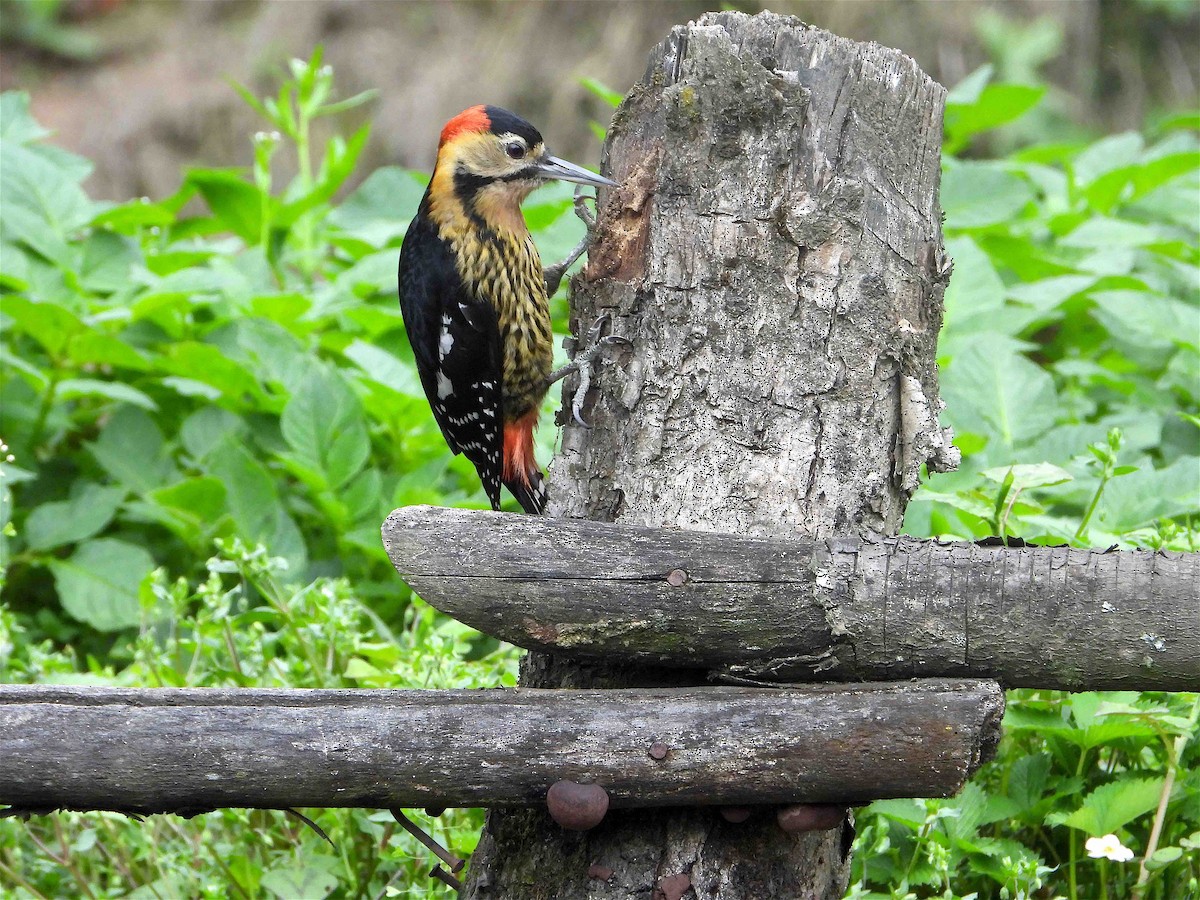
x: 774, y: 257
x: 169, y: 750
x: 800, y: 609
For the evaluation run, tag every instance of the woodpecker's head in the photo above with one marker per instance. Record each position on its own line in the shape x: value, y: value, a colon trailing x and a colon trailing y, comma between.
x: 489, y: 160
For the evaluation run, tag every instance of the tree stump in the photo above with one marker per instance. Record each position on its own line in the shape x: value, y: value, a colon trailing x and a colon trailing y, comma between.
x: 774, y: 257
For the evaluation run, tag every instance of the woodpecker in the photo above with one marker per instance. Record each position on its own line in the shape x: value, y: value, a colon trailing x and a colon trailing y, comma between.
x: 474, y: 296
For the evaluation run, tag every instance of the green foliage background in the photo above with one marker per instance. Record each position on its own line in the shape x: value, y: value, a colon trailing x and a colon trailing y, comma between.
x: 208, y: 415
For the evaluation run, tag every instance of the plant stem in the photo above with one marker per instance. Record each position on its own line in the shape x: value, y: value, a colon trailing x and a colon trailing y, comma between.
x: 43, y: 413
x: 1174, y: 754
x: 1087, y: 516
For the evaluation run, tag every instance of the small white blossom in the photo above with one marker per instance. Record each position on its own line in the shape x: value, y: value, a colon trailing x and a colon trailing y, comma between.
x: 1109, y: 847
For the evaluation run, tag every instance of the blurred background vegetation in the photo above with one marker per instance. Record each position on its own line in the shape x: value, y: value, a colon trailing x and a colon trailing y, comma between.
x: 140, y: 86
x: 209, y: 403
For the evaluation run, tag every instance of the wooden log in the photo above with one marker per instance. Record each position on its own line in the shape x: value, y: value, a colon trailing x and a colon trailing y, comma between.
x: 799, y: 609
x: 190, y: 750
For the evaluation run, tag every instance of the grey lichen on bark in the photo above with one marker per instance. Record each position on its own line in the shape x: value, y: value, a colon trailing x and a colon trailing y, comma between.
x: 774, y: 258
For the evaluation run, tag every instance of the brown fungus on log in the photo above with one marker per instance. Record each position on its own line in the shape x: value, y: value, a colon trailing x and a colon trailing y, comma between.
x: 577, y: 807
x: 810, y: 817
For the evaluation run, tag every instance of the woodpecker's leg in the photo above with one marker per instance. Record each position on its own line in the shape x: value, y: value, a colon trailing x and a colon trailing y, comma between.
x: 584, y: 362
x: 554, y: 274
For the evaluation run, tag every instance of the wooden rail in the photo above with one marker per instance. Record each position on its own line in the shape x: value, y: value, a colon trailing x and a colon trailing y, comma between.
x: 794, y: 609
x: 188, y: 750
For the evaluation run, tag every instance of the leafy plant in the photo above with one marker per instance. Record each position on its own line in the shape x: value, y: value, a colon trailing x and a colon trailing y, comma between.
x: 237, y: 378
x: 1071, y: 372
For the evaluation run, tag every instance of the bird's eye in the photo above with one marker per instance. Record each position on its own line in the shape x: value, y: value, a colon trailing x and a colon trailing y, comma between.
x: 515, y: 151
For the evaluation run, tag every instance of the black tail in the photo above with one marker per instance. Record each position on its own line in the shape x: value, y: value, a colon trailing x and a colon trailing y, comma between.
x: 531, y: 496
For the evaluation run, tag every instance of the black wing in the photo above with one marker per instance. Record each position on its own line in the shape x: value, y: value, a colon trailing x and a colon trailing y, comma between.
x: 456, y: 342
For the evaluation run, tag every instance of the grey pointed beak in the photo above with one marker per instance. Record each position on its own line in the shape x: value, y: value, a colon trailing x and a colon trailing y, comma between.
x: 560, y: 169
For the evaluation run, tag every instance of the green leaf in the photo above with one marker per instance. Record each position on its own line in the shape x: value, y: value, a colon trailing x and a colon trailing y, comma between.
x: 1163, y: 857
x: 50, y: 324
x: 235, y: 202
x: 379, y: 210
x: 1027, y: 475
x: 16, y: 122
x: 208, y: 364
x: 991, y: 383
x: 42, y: 207
x: 323, y: 424
x: 254, y: 502
x: 1108, y: 232
x: 995, y: 105
x: 979, y: 194
x: 131, y: 449
x: 290, y: 882
x: 970, y: 89
x: 1113, y: 806
x: 98, y: 584
x: 88, y: 510
x: 384, y: 368
x: 71, y: 388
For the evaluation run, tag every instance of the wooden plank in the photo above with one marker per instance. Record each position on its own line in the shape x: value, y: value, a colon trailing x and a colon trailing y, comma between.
x: 190, y: 750
x: 800, y: 609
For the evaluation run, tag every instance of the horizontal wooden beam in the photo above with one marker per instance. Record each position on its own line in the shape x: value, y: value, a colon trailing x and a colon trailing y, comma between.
x: 791, y: 609
x: 187, y: 750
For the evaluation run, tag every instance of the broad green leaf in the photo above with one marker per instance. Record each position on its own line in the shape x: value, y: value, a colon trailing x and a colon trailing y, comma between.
x: 236, y: 203
x: 995, y: 105
x: 1136, y: 500
x: 1109, y: 232
x: 1146, y: 319
x: 254, y: 503
x: 297, y: 880
x: 85, y: 513
x: 209, y: 365
x: 1113, y: 806
x: 380, y: 366
x: 979, y: 194
x: 131, y: 449
x: 207, y: 428
x: 970, y: 89
x: 105, y: 262
x: 50, y: 324
x: 72, y: 388
x: 192, y: 506
x: 1029, y: 475
x: 323, y: 424
x: 990, y: 383
x: 98, y: 584
x: 16, y: 121
x: 379, y: 210
x: 1111, y: 153
x: 42, y: 208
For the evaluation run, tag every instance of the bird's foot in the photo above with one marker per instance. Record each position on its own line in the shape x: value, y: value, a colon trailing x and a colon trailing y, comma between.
x: 584, y: 363
x: 554, y: 274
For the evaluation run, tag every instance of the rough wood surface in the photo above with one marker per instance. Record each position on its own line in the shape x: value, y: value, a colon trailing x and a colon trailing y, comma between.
x: 800, y: 609
x: 187, y: 750
x: 774, y: 258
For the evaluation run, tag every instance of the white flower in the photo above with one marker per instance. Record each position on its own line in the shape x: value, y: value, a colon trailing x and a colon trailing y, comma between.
x: 1109, y: 847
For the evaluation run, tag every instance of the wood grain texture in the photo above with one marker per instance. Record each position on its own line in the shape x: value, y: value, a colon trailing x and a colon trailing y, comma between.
x: 774, y: 258
x: 797, y: 609
x: 189, y: 750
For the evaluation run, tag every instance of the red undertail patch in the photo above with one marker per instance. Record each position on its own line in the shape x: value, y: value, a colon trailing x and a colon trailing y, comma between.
x: 519, y: 464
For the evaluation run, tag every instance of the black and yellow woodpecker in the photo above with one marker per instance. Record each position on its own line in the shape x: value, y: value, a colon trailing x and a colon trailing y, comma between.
x: 474, y: 296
